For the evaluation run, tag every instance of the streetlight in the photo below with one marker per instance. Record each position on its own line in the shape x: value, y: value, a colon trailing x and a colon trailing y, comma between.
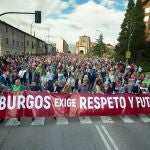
x: 101, y: 34
x: 31, y: 27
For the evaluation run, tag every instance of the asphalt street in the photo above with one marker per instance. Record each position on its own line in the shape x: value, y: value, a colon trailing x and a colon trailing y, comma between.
x: 89, y: 133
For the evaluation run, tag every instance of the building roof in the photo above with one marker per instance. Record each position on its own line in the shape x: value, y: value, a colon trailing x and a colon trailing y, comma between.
x: 3, y: 22
x: 145, y: 2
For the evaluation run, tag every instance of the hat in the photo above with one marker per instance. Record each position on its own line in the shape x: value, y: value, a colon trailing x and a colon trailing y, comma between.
x: 85, y: 78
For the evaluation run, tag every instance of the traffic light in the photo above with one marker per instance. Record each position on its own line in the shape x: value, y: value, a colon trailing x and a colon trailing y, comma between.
x: 37, y: 16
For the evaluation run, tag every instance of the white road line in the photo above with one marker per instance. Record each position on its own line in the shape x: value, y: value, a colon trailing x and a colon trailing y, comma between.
x: 106, y: 119
x: 127, y: 119
x: 85, y: 120
x: 103, y: 137
x: 11, y: 122
x: 38, y: 121
x: 61, y: 120
x: 144, y: 118
x: 110, y: 138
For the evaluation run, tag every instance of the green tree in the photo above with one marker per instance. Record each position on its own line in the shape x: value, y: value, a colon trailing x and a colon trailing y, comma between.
x: 124, y: 36
x: 138, y: 39
x: 99, y: 48
x: 132, y: 35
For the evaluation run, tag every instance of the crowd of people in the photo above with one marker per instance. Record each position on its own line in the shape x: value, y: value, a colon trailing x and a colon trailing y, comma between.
x: 71, y: 73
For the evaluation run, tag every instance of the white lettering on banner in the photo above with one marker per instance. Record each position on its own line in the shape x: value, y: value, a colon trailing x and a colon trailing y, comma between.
x: 47, y: 104
x: 2, y: 102
x: 13, y: 103
x: 101, y: 102
x: 147, y: 101
x: 56, y: 102
x: 97, y: 104
x: 110, y: 103
x: 143, y: 102
x: 20, y: 101
x: 90, y: 102
x: 131, y: 101
x: 60, y: 102
x: 38, y: 102
x: 116, y: 101
x: 138, y: 101
x: 122, y: 102
x: 29, y: 101
x: 83, y: 103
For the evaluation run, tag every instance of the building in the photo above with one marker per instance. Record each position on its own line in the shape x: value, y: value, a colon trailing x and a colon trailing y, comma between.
x: 109, y: 46
x: 61, y: 45
x: 92, y: 44
x: 52, y: 47
x: 83, y: 45
x: 146, y: 5
x: 16, y: 41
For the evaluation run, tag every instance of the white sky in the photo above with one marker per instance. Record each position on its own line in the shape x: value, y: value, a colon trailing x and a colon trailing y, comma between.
x: 84, y: 20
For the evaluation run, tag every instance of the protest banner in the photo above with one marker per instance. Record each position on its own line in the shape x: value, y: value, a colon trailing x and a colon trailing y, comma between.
x: 44, y: 104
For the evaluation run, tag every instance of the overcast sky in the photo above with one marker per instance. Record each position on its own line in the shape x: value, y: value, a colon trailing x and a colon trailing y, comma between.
x: 68, y: 18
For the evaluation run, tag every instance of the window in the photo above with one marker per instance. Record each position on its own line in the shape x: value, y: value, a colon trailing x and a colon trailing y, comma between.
x: 6, y: 29
x: 83, y: 40
x: 13, y: 42
x: 22, y: 44
x: 7, y: 41
x: 12, y: 32
x: 147, y: 10
x: 146, y: 18
x: 27, y: 43
x: 32, y: 45
x: 17, y: 43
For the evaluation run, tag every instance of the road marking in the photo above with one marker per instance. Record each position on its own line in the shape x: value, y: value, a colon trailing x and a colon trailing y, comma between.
x: 110, y: 138
x: 85, y: 120
x: 127, y: 119
x: 38, y: 121
x: 11, y: 122
x: 61, y: 120
x: 103, y: 137
x: 144, y: 118
x: 106, y: 119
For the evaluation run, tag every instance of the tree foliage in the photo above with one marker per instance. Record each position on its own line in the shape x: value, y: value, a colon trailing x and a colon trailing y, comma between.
x: 99, y: 48
x: 132, y: 35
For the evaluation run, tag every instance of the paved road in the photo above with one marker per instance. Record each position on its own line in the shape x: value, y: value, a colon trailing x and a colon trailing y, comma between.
x: 89, y: 133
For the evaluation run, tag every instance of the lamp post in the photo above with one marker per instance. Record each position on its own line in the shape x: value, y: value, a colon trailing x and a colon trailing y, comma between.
x: 31, y: 27
x: 101, y: 34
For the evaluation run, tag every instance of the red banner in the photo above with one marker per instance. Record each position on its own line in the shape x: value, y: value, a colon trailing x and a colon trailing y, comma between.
x: 43, y: 104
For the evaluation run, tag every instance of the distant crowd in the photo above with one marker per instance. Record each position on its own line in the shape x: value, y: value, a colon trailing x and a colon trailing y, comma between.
x: 69, y: 73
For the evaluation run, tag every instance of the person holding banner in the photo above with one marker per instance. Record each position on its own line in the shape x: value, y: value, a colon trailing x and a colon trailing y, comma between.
x: 136, y: 89
x: 67, y: 88
x: 35, y: 87
x: 106, y: 88
x: 2, y: 88
x: 84, y: 87
x: 124, y: 88
x: 97, y: 86
x: 56, y: 88
x: 15, y: 88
